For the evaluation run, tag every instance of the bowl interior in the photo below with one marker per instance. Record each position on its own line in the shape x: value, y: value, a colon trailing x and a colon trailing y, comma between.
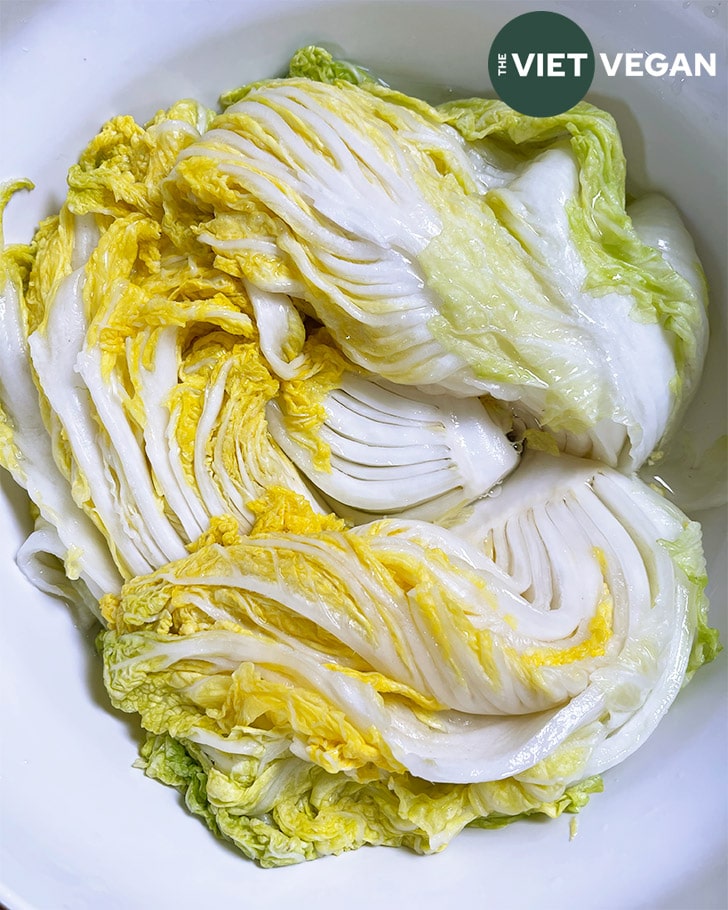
x: 108, y: 836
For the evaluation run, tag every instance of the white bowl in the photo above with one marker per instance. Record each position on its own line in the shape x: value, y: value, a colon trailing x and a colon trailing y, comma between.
x: 80, y: 827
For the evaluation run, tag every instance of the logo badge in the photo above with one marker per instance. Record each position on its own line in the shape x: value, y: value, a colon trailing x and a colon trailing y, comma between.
x: 541, y: 64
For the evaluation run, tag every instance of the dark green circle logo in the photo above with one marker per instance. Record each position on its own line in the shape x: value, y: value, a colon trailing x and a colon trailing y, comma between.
x: 541, y: 64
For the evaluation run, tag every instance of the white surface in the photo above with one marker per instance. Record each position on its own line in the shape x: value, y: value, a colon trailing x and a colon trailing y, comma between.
x: 79, y: 827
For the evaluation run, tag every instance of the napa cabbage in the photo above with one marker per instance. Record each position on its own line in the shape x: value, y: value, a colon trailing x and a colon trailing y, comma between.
x: 466, y: 249
x: 148, y: 379
x: 397, y: 652
x: 328, y: 404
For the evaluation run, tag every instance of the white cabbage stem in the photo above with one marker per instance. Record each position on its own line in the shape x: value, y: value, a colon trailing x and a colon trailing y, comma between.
x: 394, y: 450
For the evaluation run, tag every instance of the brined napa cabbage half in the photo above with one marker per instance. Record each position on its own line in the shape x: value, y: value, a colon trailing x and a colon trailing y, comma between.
x: 465, y: 248
x: 140, y: 363
x: 329, y: 405
x: 506, y: 660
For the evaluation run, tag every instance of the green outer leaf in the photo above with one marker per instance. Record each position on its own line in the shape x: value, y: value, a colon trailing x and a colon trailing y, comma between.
x: 317, y: 63
x: 615, y: 257
x: 332, y: 813
x: 687, y: 554
x: 573, y: 801
x: 313, y: 63
x: 166, y: 759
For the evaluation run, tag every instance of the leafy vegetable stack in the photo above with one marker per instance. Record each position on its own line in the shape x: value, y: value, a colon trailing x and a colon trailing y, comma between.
x: 330, y: 406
